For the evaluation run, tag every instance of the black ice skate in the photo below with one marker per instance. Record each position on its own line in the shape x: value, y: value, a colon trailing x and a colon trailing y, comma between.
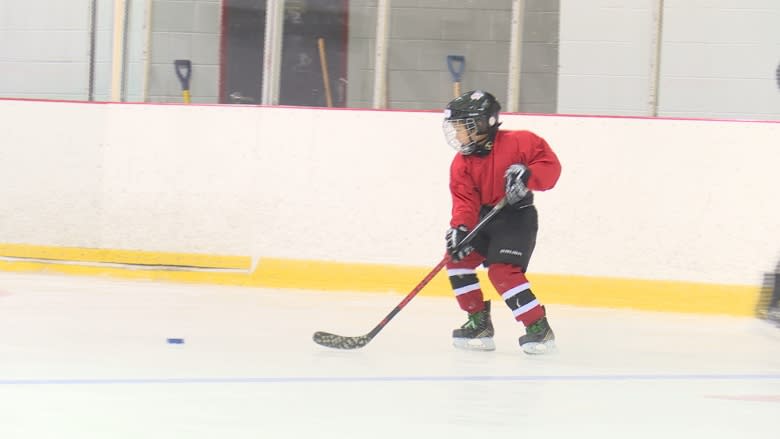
x: 477, y: 333
x: 538, y: 339
x: 773, y: 315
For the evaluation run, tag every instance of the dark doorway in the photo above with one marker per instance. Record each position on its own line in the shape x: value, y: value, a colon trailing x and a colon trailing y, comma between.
x: 302, y: 79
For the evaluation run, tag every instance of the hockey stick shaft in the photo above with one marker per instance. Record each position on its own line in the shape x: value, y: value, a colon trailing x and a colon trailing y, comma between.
x: 341, y: 342
x: 466, y: 240
x: 409, y: 296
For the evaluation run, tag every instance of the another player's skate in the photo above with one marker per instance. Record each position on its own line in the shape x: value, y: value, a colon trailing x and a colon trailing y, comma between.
x: 773, y: 315
x: 477, y: 333
x: 538, y: 339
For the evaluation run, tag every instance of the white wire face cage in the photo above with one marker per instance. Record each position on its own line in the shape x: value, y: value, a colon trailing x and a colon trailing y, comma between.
x: 451, y: 128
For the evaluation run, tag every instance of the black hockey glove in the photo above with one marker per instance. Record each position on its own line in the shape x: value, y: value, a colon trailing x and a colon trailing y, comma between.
x: 454, y: 237
x: 515, y: 181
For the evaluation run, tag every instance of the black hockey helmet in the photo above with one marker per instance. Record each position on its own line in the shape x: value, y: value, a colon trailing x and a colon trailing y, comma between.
x: 471, y: 122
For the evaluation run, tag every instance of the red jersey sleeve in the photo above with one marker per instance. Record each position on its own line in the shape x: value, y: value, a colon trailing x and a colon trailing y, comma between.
x: 465, y: 196
x: 543, y: 163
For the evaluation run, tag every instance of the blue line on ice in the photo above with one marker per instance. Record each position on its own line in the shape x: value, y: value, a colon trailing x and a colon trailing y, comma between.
x: 392, y: 379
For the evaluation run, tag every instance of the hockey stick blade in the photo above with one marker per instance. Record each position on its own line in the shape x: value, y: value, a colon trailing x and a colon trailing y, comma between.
x: 339, y: 341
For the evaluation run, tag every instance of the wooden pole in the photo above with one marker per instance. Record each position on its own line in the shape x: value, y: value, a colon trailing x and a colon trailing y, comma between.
x: 325, y: 76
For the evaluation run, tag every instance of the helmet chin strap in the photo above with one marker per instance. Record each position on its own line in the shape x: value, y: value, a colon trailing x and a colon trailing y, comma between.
x: 483, y: 146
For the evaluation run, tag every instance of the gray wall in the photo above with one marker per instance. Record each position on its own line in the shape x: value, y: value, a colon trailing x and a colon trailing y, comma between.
x: 718, y: 57
x: 44, y: 49
x: 185, y: 30
x: 720, y: 60
x: 424, y: 32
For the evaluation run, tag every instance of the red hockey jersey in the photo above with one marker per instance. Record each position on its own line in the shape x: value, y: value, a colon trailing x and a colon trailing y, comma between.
x: 477, y: 181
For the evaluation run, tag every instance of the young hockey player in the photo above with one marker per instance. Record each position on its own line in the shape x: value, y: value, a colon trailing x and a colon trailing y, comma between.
x: 491, y: 164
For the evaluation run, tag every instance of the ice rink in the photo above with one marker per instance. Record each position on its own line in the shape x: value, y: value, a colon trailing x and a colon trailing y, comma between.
x: 88, y: 358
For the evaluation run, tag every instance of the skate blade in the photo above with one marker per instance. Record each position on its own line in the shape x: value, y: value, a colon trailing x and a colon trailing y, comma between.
x: 545, y: 348
x: 474, y: 344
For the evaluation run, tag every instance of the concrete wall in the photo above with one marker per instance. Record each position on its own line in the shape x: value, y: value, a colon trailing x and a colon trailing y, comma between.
x: 605, y: 57
x: 185, y: 30
x: 47, y: 55
x: 639, y: 198
x: 424, y: 32
x: 718, y: 58
x: 44, y: 55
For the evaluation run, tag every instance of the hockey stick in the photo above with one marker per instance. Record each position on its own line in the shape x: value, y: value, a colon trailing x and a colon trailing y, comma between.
x: 342, y: 342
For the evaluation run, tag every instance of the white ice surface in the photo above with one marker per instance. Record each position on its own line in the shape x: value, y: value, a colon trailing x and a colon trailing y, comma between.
x: 88, y: 358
